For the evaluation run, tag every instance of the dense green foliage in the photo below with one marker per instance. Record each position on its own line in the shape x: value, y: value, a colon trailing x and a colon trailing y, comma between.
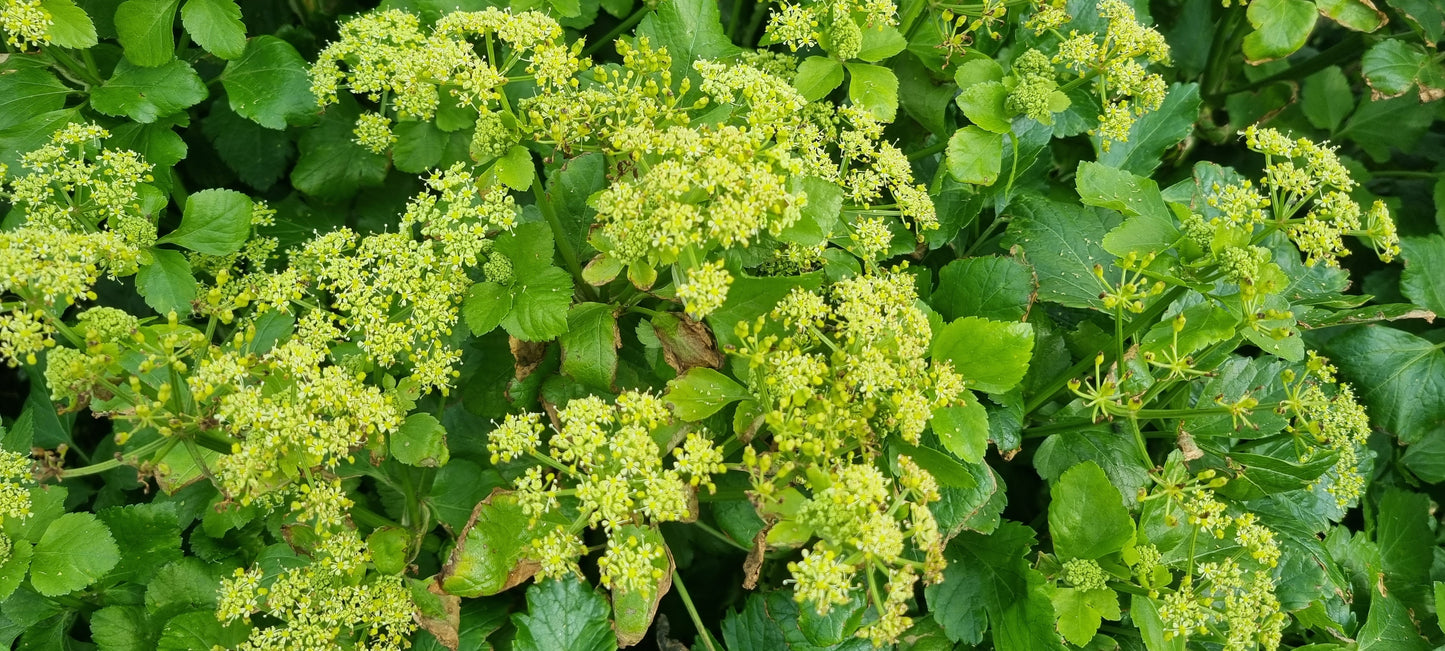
x: 829, y: 324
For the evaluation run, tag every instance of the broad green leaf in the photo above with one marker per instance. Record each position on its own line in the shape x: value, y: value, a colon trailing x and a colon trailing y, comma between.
x: 1426, y: 15
x: 564, y: 615
x: 1327, y: 99
x: 1390, y: 627
x: 983, y: 103
x: 14, y: 568
x: 820, y: 214
x: 1080, y: 612
x: 75, y: 551
x: 458, y: 487
x: 771, y: 621
x: 486, y: 305
x: 389, y: 547
x: 701, y: 392
x: 489, y: 556
x: 1380, y: 126
x: 1026, y: 624
x: 568, y: 189
x: 589, y: 347
x: 690, y: 30
x: 420, y: 441
x: 975, y: 156
x: 818, y: 76
x: 1063, y: 243
x: 515, y: 168
x: 146, y: 94
x: 977, y: 70
x: 963, y: 429
x: 1406, y: 550
x: 1087, y: 517
x: 539, y: 305
x: 185, y: 585
x: 949, y: 472
x: 1116, y: 189
x: 1392, y: 66
x: 149, y: 536
x: 1358, y: 15
x: 874, y: 88
x: 992, y: 356
x: 1399, y: 377
x: 19, y: 139
x: 1422, y: 281
x: 1156, y: 132
x: 528, y: 247
x: 70, y: 26
x: 985, y: 575
x: 632, y: 610
x: 145, y: 29
x: 1204, y: 324
x: 269, y: 85
x: 201, y: 630
x: 157, y: 142
x: 215, y: 222
x: 259, y: 156
x: 122, y: 628
x: 993, y: 288
x: 166, y: 283
x: 923, y: 97
x: 418, y: 146
x: 881, y: 42
x: 1256, y: 476
x: 1281, y: 27
x: 332, y: 166
x: 216, y: 26
x: 28, y: 88
x: 1101, y: 445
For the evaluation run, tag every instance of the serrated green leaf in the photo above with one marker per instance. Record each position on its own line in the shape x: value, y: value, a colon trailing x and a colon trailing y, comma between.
x: 701, y: 392
x: 529, y: 247
x: 1358, y: 15
x: 1426, y: 15
x: 489, y: 557
x: 539, y: 305
x: 1063, y: 243
x: 963, y: 429
x: 201, y: 630
x: 515, y: 168
x: 1400, y: 378
x: 818, y: 76
x: 486, y: 305
x: 564, y: 615
x: 975, y: 156
x: 1327, y: 99
x: 215, y: 222
x: 1080, y: 612
x: 14, y: 568
x: 420, y: 441
x: 992, y: 288
x: 1281, y: 27
x: 874, y: 88
x: 259, y: 156
x: 122, y: 628
x: 216, y: 26
x: 1406, y: 553
x: 70, y: 26
x: 166, y: 283
x: 332, y: 166
x: 881, y: 42
x: 1087, y: 517
x: 27, y: 89
x: 1422, y: 281
x: 983, y: 103
x: 269, y: 84
x: 147, y: 94
x: 985, y: 575
x: 1392, y: 66
x: 75, y: 551
x: 149, y: 536
x: 145, y: 30
x: 589, y: 347
x: 991, y: 356
x: 690, y: 30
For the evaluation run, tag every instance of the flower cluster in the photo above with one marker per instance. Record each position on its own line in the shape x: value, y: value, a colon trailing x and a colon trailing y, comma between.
x: 1113, y: 60
x: 848, y: 371
x: 26, y: 23
x: 837, y: 25
x: 15, y: 480
x: 608, y: 458
x: 1328, y: 423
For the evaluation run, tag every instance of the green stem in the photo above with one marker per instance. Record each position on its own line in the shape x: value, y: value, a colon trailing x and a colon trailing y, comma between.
x: 750, y: 37
x: 1407, y: 174
x: 1220, y: 50
x: 564, y: 247
x: 929, y: 150
x: 111, y: 464
x: 692, y: 610
x: 721, y: 536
